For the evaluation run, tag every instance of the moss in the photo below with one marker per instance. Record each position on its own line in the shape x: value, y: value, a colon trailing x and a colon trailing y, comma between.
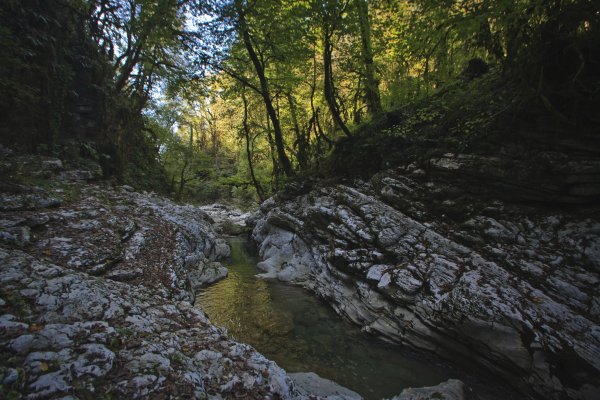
x: 124, y: 331
x: 16, y: 304
x: 177, y: 358
x: 9, y: 393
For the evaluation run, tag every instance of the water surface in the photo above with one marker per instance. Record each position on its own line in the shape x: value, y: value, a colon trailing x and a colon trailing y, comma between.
x: 301, y: 333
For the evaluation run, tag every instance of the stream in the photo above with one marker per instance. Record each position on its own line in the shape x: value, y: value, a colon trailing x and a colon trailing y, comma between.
x: 301, y: 333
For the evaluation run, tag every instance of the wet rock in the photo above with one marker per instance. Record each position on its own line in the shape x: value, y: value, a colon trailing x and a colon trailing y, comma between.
x: 227, y: 220
x: 283, y: 253
x: 452, y: 389
x: 409, y: 257
x: 206, y: 272
x: 24, y: 202
x: 79, y: 329
x: 67, y: 330
x: 311, y: 383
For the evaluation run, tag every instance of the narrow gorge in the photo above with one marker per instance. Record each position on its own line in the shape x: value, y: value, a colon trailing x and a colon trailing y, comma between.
x: 98, y: 286
x: 437, y: 257
x: 300, y: 199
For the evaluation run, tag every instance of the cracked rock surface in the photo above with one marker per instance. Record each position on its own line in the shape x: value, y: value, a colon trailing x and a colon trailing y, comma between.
x: 427, y: 259
x: 111, y: 232
x: 227, y: 220
x: 68, y: 333
x: 96, y: 286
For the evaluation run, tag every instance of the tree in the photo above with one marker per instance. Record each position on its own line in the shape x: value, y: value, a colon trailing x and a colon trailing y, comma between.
x: 371, y: 83
x: 331, y: 15
x: 259, y: 68
x: 259, y: 190
x: 42, y: 48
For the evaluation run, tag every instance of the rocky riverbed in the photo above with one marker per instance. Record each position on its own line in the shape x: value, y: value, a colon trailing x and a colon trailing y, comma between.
x: 436, y: 259
x: 96, y: 291
x: 97, y: 284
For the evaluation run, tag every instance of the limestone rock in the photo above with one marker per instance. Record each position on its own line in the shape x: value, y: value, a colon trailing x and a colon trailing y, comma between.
x: 452, y: 389
x: 96, y: 293
x: 111, y: 232
x: 412, y: 257
x: 205, y: 273
x: 73, y: 333
x: 311, y: 383
x: 226, y: 219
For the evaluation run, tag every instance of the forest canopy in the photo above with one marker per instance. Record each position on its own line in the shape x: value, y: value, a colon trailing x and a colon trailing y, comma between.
x: 210, y: 99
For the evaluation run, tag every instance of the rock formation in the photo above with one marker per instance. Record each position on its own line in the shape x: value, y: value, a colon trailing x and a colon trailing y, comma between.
x: 96, y: 285
x: 427, y: 258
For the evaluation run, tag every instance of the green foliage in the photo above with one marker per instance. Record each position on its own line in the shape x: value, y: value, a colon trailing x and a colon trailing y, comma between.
x: 74, y: 69
x: 251, y: 84
x: 18, y: 304
x: 476, y: 115
x: 38, y: 47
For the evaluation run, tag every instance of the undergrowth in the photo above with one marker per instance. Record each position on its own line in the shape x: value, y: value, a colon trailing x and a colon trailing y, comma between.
x: 486, y: 115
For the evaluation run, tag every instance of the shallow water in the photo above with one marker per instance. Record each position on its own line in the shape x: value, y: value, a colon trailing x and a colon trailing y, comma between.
x: 301, y: 333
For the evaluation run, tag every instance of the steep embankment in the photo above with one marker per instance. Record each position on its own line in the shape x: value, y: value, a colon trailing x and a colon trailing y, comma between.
x: 443, y: 255
x: 96, y: 284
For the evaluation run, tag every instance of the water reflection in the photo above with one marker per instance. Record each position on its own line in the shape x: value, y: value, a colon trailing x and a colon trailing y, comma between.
x: 243, y: 304
x: 300, y: 333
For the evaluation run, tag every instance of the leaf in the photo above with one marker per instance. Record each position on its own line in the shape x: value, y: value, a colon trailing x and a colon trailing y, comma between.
x: 44, y: 366
x: 537, y: 300
x: 35, y: 327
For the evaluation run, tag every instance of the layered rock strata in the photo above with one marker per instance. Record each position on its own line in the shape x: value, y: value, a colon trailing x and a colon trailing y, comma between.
x: 427, y: 259
x: 96, y: 286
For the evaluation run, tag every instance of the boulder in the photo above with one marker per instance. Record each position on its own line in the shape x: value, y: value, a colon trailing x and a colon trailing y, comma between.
x: 310, y: 383
x: 452, y: 389
x: 429, y: 261
x: 96, y: 296
x: 71, y: 334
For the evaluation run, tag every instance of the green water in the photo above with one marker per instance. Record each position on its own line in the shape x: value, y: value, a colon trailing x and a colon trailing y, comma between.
x: 301, y: 333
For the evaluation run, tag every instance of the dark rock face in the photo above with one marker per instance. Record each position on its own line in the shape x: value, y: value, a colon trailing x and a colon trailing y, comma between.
x: 427, y: 259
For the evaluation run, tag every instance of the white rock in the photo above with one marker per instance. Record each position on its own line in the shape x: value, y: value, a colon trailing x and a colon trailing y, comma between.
x: 311, y: 383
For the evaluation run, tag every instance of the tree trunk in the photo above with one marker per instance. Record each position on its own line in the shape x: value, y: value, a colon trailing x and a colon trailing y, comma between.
x: 328, y: 86
x: 301, y: 139
x: 182, y: 180
x: 371, y: 83
x: 286, y: 165
x: 316, y: 126
x: 188, y: 155
x: 276, y: 169
x: 132, y: 60
x: 259, y: 190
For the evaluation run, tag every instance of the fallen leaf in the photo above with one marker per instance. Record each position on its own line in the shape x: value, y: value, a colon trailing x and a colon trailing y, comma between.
x: 35, y: 327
